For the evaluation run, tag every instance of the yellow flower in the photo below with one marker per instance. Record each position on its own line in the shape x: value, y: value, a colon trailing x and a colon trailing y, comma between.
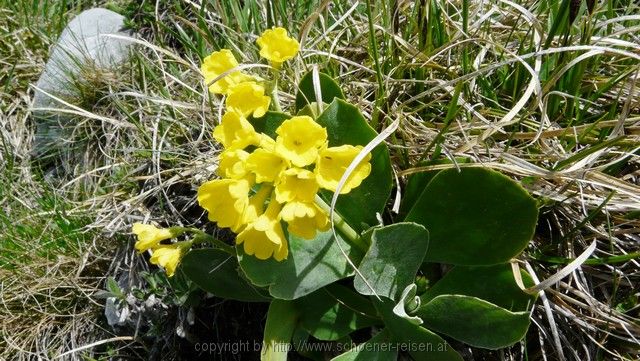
x: 304, y: 218
x: 299, y: 140
x: 264, y: 237
x: 296, y: 184
x: 150, y: 236
x: 168, y: 257
x: 255, y: 207
x: 235, y: 132
x: 233, y: 164
x: 216, y: 64
x: 248, y: 98
x: 267, y: 142
x: 225, y: 200
x: 277, y: 47
x: 332, y: 163
x: 266, y: 165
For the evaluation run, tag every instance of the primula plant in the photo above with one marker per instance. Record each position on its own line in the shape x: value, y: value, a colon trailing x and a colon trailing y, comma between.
x: 306, y: 194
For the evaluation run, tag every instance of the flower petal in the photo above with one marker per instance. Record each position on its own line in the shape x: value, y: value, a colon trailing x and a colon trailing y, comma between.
x: 266, y: 165
x: 299, y: 140
x: 304, y: 219
x: 225, y: 200
x: 149, y: 236
x: 333, y: 162
x: 276, y: 46
x: 235, y: 132
x: 215, y: 65
x: 248, y: 99
x: 296, y: 184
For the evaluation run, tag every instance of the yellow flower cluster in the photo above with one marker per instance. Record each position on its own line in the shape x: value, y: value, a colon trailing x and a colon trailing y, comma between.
x: 276, y: 181
x: 263, y: 181
x: 167, y: 256
x: 245, y: 94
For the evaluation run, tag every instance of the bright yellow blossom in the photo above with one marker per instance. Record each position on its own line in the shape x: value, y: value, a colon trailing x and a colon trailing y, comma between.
x: 333, y: 162
x: 233, y: 164
x: 266, y: 165
x: 299, y: 140
x: 248, y: 99
x: 168, y: 257
x: 235, y: 132
x: 255, y: 207
x: 277, y: 47
x: 216, y: 64
x: 296, y: 184
x: 225, y: 200
x: 264, y: 237
x: 304, y: 218
x: 149, y: 236
x: 266, y: 142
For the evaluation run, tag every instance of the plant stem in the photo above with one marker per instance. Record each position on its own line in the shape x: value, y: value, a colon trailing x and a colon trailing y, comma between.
x: 349, y: 234
x: 274, y: 91
x: 201, y: 236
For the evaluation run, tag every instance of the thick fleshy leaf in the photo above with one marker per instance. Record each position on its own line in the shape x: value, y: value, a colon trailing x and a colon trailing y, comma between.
x: 311, y: 110
x: 495, y: 284
x: 417, y: 182
x: 311, y: 265
x: 346, y: 125
x: 422, y: 344
x: 269, y: 122
x: 407, y: 303
x: 304, y: 346
x: 335, y: 311
x: 475, y: 216
x: 474, y: 321
x: 307, y: 94
x: 371, y: 350
x: 216, y: 271
x: 282, y: 318
x: 393, y: 259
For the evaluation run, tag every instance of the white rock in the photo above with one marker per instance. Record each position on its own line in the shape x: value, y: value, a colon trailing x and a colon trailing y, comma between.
x: 116, y: 312
x: 84, y: 43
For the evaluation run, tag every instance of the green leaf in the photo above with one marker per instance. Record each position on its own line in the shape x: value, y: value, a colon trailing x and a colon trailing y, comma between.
x: 311, y: 265
x: 282, y: 318
x: 335, y: 311
x: 422, y: 344
x: 474, y: 216
x: 216, y: 272
x: 474, y: 321
x: 417, y: 182
x: 114, y: 288
x: 494, y: 284
x: 393, y: 259
x: 303, y: 346
x: 311, y: 110
x: 346, y: 125
x: 269, y: 122
x: 407, y: 303
x: 371, y: 350
x: 307, y: 94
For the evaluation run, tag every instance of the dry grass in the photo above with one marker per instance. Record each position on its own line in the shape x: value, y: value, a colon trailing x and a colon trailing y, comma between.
x: 498, y: 90
x: 50, y: 262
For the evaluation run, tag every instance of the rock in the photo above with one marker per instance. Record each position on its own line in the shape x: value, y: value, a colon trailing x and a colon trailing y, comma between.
x: 117, y: 313
x: 82, y: 45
